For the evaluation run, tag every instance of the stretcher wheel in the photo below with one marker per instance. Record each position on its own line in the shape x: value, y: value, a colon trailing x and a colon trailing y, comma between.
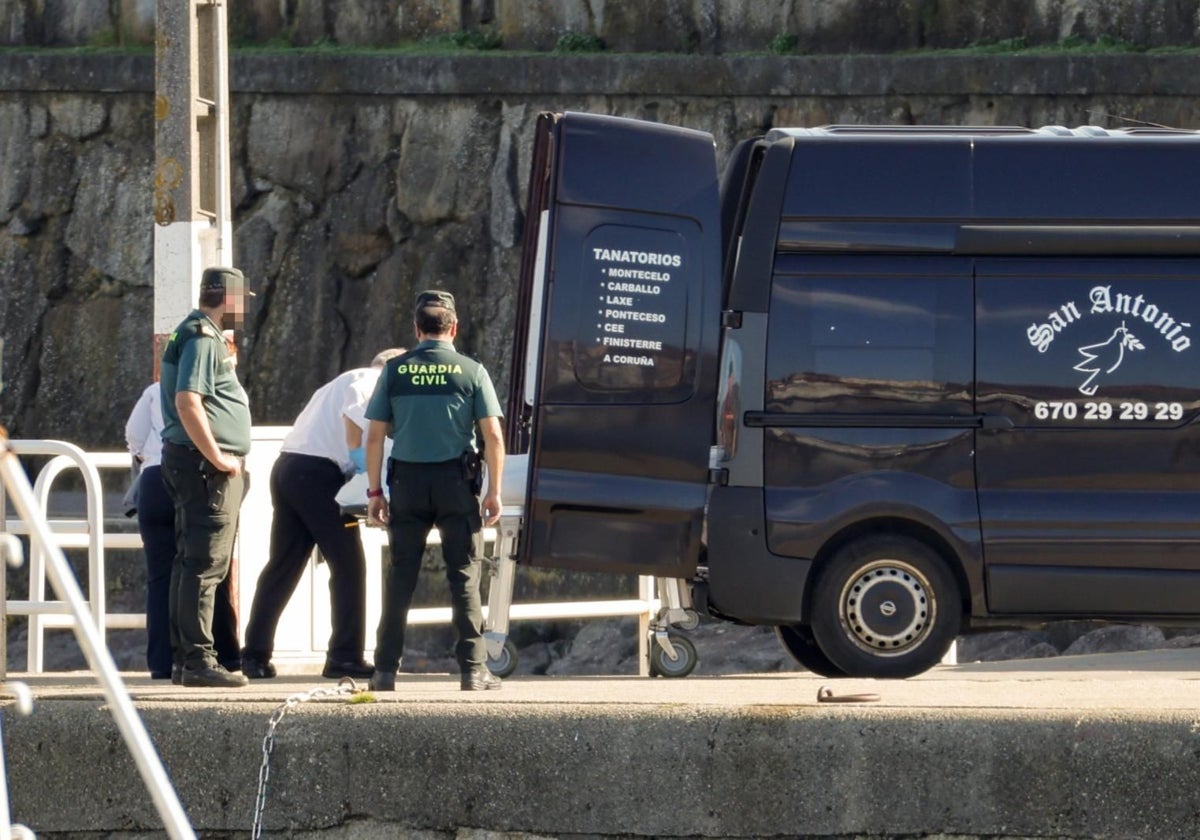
x: 506, y: 663
x: 690, y: 620
x: 685, y: 662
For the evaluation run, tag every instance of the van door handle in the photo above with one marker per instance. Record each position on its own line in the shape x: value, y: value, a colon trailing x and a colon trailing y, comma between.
x: 995, y: 422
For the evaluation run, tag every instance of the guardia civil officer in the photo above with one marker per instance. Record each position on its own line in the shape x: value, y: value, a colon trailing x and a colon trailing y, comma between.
x: 156, y: 523
x: 321, y: 452
x: 206, y: 434
x: 432, y: 398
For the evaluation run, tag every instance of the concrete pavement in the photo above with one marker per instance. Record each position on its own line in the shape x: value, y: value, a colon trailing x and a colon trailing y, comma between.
x: 1103, y: 746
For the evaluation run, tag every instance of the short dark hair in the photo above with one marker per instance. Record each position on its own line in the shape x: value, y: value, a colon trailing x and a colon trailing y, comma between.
x: 435, y: 320
x: 212, y: 298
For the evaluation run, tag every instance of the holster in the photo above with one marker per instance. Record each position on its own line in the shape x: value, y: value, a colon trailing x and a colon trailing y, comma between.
x: 472, y: 471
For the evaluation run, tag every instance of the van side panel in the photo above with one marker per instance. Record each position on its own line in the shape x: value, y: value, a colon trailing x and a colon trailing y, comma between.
x: 1094, y: 479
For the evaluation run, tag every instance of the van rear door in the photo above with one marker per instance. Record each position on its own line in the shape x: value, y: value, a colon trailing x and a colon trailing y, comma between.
x: 614, y: 365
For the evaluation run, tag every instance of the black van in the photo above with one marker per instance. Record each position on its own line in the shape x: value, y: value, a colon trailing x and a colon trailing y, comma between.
x: 875, y: 386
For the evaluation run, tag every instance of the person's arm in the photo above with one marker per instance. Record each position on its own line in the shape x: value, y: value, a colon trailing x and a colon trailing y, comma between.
x: 354, y: 435
x: 190, y: 406
x: 377, y: 508
x: 354, y: 444
x: 493, y: 455
x: 138, y: 426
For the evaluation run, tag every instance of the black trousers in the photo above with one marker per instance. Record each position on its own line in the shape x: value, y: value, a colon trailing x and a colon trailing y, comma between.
x: 206, y: 519
x: 303, y: 491
x: 422, y: 497
x: 156, y: 524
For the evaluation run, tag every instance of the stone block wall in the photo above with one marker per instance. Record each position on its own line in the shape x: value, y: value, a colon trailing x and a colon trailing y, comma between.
x: 361, y: 179
x: 694, y: 26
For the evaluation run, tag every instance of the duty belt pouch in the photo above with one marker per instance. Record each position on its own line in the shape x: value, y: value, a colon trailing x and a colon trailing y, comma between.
x: 472, y: 471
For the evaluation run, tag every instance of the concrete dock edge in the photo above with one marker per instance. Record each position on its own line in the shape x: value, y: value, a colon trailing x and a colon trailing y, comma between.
x: 770, y: 762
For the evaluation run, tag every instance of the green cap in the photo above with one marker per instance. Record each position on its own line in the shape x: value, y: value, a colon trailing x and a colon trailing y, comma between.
x: 220, y: 278
x: 433, y: 297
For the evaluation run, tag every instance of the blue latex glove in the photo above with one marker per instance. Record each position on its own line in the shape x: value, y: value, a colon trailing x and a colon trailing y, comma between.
x: 359, y: 457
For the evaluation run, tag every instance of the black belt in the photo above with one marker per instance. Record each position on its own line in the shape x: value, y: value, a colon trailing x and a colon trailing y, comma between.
x: 171, y: 446
x: 453, y: 462
x: 181, y: 449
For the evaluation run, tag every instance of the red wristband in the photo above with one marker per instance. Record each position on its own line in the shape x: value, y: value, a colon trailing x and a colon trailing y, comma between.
x: 374, y: 494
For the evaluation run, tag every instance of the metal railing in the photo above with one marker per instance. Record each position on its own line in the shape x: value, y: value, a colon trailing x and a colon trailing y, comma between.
x: 86, y: 533
x: 89, y: 533
x: 88, y: 630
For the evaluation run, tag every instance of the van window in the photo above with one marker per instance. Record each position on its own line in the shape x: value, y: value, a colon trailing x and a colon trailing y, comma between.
x: 862, y: 335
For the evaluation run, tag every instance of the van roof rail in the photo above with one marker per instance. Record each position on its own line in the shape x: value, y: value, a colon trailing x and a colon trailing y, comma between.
x: 970, y: 130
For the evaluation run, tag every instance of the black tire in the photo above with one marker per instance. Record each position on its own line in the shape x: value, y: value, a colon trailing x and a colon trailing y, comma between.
x: 885, y: 606
x: 690, y: 620
x: 506, y: 663
x: 663, y: 666
x: 798, y: 641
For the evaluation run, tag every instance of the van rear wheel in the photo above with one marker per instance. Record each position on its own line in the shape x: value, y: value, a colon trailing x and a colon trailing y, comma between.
x: 885, y: 606
x: 798, y: 641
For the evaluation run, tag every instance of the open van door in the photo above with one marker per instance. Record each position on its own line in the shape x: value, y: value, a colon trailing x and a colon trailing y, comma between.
x: 613, y: 392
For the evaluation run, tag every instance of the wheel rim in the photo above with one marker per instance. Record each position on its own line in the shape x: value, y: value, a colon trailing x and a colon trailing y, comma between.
x: 888, y: 608
x: 680, y: 666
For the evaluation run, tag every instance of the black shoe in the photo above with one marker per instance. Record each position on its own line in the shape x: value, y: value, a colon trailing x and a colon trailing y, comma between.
x: 382, y: 681
x: 257, y: 669
x: 160, y: 675
x: 232, y: 665
x: 479, y: 679
x: 212, y: 676
x: 176, y: 674
x: 352, y: 668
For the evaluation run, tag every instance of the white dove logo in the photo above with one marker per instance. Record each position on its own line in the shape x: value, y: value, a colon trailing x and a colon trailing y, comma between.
x: 1106, y: 356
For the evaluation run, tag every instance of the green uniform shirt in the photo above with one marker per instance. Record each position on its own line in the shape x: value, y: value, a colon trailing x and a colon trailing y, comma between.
x: 432, y: 396
x: 196, y: 359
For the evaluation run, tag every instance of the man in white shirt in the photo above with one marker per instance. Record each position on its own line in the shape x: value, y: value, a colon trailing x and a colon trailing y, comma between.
x: 323, y: 450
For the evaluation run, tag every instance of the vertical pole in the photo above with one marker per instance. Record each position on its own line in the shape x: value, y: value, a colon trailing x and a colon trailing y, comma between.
x: 193, y: 210
x: 3, y: 565
x: 192, y: 204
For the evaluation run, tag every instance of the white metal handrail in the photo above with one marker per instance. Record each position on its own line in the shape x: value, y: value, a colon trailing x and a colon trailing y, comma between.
x: 643, y: 607
x: 88, y: 632
x: 90, y: 533
x: 70, y: 533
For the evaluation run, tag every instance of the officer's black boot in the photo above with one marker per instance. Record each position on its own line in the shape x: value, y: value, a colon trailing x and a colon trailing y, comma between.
x: 479, y: 678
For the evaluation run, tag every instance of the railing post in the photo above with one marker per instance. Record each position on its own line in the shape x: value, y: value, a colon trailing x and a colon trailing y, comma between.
x: 91, y: 641
x: 3, y: 585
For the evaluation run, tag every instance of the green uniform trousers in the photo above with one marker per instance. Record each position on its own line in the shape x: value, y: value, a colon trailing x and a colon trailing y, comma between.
x: 206, y: 517
x: 424, y: 496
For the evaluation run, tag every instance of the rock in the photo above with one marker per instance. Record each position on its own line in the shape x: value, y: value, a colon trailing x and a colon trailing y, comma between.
x: 1184, y: 641
x: 1118, y: 637
x: 1006, y: 644
x: 600, y: 647
x: 107, y: 230
x: 78, y: 119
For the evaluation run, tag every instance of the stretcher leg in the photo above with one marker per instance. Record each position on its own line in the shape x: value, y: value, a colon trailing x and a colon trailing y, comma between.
x: 502, y: 653
x: 672, y: 654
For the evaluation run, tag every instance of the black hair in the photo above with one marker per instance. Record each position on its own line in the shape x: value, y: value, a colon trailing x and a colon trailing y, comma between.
x: 212, y: 298
x: 435, y: 320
